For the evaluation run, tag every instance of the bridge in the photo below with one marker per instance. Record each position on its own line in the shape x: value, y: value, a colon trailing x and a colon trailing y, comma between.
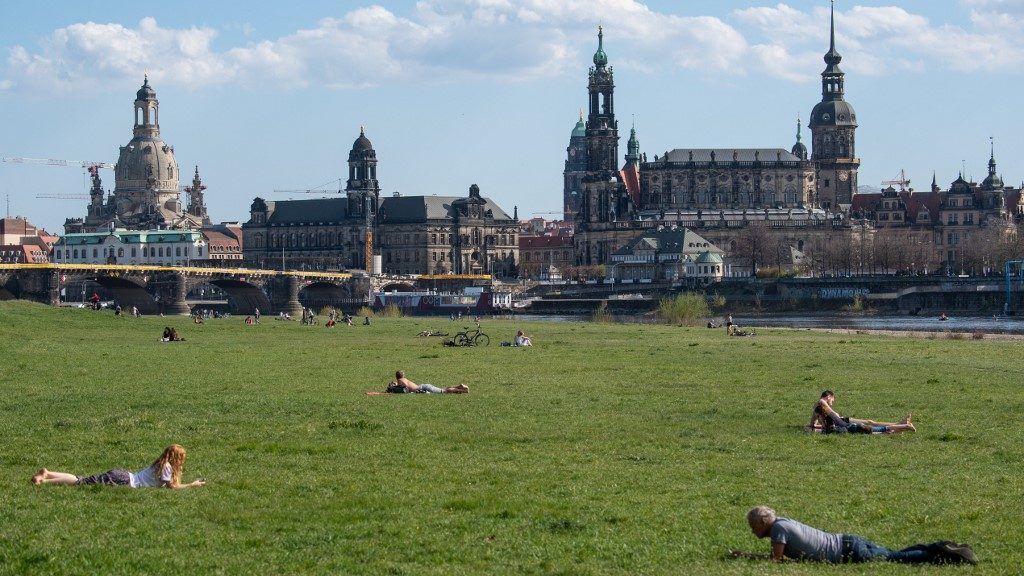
x: 163, y: 290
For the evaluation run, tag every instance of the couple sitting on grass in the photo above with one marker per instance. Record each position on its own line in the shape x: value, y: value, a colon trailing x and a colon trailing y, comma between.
x: 797, y: 541
x: 826, y: 420
x: 164, y: 472
x: 403, y: 385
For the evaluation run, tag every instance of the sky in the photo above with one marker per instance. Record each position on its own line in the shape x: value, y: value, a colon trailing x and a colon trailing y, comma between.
x: 457, y: 92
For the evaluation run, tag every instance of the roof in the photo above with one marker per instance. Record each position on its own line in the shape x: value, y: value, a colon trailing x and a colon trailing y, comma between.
x: 537, y: 242
x: 677, y: 241
x: 218, y: 238
x: 326, y: 210
x: 631, y: 177
x: 130, y: 237
x: 731, y: 155
x: 410, y: 209
x: 708, y: 258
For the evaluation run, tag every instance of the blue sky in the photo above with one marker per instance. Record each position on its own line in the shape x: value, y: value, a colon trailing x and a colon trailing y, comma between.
x: 456, y: 92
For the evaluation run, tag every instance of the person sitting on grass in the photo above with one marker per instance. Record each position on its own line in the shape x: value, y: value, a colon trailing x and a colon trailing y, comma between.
x: 171, y: 335
x: 403, y: 385
x: 522, y: 339
x: 164, y: 472
x: 734, y: 330
x: 797, y: 541
x: 825, y: 419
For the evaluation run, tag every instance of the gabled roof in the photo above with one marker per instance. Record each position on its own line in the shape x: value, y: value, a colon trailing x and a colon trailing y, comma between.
x: 678, y: 241
x: 538, y: 242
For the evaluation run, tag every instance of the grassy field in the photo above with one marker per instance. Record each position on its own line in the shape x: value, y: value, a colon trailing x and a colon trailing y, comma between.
x: 604, y: 449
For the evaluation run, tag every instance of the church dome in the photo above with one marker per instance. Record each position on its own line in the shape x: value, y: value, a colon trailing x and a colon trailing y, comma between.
x: 146, y: 92
x: 580, y: 130
x: 362, y: 143
x: 833, y: 113
x: 800, y: 151
x: 146, y: 163
x: 600, y: 58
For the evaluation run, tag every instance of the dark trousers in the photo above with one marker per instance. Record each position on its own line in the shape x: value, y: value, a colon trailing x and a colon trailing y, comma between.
x: 857, y: 549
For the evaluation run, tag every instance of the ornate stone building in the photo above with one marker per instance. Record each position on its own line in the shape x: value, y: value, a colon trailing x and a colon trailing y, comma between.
x: 575, y: 169
x: 723, y: 192
x: 146, y: 194
x: 323, y: 232
x: 447, y: 235
x: 410, y: 234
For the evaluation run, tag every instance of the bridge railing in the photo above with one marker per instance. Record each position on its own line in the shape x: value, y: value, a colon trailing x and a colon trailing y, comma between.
x: 194, y: 270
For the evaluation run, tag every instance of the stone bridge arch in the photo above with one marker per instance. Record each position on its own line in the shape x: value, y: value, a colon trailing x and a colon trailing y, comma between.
x: 244, y: 296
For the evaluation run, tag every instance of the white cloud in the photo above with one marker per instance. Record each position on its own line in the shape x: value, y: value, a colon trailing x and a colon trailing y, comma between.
x: 521, y: 40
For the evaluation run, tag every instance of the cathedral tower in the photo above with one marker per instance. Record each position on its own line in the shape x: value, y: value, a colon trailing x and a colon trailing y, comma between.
x: 575, y: 169
x: 602, y: 129
x: 833, y: 127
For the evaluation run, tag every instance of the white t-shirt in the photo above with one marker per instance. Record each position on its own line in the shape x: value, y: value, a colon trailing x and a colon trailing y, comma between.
x: 147, y: 478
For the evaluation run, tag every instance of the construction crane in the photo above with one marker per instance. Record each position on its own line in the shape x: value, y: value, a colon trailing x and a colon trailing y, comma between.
x: 315, y: 190
x: 53, y: 162
x: 65, y: 196
x: 903, y: 182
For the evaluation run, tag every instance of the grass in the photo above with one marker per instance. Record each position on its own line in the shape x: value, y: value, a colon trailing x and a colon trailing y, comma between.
x: 603, y: 449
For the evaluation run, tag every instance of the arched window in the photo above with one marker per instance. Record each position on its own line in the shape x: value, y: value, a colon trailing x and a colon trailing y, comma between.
x: 120, y: 252
x: 170, y: 172
x: 74, y: 253
x: 95, y: 253
x: 177, y: 251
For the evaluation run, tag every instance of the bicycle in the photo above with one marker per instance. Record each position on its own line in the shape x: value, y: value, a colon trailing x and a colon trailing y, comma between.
x: 472, y: 338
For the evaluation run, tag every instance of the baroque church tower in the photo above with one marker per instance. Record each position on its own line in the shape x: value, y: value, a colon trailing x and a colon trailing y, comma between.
x: 362, y: 186
x: 604, y: 198
x: 833, y: 125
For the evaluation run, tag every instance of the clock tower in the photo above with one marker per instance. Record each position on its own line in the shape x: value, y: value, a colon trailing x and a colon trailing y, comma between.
x: 833, y: 125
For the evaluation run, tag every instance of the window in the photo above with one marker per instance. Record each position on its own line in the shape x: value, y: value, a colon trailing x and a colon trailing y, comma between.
x: 95, y: 253
x: 134, y: 252
x: 120, y: 252
x: 58, y: 253
x: 177, y: 251
x: 160, y: 252
x: 199, y: 251
x: 827, y: 182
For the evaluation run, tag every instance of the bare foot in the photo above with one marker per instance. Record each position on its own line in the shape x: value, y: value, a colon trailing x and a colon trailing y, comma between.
x: 911, y: 426
x: 907, y: 419
x: 39, y: 476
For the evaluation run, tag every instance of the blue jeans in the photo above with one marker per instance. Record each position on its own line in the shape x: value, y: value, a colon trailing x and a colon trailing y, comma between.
x: 857, y: 549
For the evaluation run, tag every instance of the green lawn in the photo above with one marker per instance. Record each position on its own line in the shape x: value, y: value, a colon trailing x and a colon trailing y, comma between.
x: 605, y: 449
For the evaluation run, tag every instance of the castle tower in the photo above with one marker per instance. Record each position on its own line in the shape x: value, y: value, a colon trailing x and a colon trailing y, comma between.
x: 362, y: 186
x: 833, y: 126
x: 575, y: 169
x: 633, y: 148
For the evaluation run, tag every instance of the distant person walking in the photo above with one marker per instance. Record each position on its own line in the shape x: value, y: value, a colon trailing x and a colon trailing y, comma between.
x: 164, y: 472
x: 256, y: 315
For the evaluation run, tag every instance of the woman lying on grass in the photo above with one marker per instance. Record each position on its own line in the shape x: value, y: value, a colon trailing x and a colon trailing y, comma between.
x: 825, y: 419
x: 403, y: 385
x: 165, y: 472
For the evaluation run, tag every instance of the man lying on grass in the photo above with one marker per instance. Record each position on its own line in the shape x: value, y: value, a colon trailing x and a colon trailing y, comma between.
x: 403, y: 385
x: 825, y: 419
x: 797, y: 541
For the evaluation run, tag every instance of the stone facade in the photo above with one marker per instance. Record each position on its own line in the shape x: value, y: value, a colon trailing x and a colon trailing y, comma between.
x: 410, y: 234
x: 157, y: 247
x: 323, y: 233
x: 447, y: 235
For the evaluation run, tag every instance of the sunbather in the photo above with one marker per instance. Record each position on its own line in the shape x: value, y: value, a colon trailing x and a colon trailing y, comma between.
x: 403, y: 385
x: 825, y: 419
x: 164, y: 472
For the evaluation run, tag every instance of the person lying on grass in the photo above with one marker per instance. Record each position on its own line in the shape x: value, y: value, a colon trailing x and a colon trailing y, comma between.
x: 797, y: 541
x: 403, y: 385
x: 825, y: 419
x: 164, y: 472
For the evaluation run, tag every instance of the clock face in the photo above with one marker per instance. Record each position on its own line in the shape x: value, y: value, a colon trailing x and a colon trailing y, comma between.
x: 844, y: 176
x: 572, y: 153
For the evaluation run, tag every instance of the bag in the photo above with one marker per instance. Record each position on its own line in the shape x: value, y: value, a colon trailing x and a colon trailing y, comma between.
x: 395, y: 388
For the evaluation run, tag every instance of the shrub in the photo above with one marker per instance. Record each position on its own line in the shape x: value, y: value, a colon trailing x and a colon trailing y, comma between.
x: 326, y: 310
x: 857, y: 305
x: 978, y: 335
x: 688, y: 308
x: 718, y: 302
x: 602, y: 314
x: 391, y: 311
x: 365, y: 311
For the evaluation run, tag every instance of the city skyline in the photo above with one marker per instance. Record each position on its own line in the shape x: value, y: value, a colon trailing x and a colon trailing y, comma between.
x: 459, y: 92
